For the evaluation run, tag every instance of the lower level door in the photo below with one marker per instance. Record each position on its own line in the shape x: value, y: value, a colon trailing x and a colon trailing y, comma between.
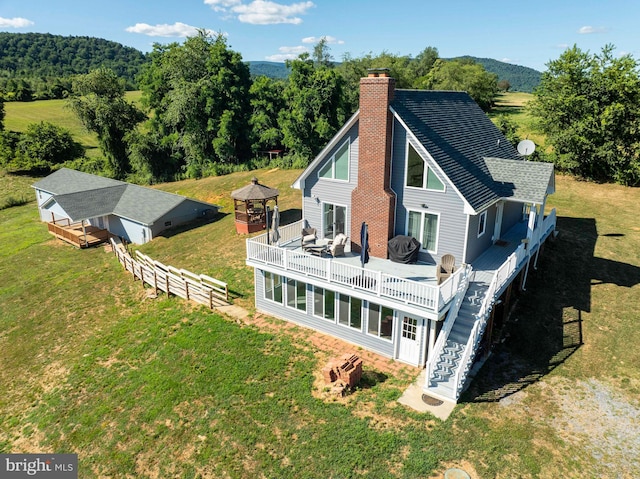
x: 410, y: 339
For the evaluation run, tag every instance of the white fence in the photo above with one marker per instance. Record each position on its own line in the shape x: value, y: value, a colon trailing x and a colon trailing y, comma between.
x: 179, y: 282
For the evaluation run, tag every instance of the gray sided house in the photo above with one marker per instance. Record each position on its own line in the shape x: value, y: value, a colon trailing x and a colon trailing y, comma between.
x: 428, y: 165
x: 132, y: 212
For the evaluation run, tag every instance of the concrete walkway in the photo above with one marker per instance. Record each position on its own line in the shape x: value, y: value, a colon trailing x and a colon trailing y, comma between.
x: 333, y: 347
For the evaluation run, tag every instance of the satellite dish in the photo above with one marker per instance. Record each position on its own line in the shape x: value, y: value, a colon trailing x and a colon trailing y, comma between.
x: 526, y: 147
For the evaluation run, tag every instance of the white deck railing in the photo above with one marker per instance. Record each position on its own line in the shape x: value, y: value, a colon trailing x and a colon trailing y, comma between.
x: 500, y: 278
x: 448, y: 322
x: 333, y: 271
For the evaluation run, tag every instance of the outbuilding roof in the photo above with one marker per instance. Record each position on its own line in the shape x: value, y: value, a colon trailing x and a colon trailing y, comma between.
x: 83, y: 196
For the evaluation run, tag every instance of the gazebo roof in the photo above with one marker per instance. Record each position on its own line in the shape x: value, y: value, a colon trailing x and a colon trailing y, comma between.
x: 254, y: 191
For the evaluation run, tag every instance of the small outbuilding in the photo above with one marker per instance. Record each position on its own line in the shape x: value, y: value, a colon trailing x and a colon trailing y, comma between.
x: 85, y: 209
x: 250, y: 206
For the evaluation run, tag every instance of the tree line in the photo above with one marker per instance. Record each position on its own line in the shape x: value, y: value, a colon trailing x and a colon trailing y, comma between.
x: 203, y: 114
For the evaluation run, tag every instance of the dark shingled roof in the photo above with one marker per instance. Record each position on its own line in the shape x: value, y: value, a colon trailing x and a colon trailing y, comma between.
x: 458, y: 135
x: 84, y: 196
x: 65, y: 181
x: 254, y: 191
x: 521, y: 180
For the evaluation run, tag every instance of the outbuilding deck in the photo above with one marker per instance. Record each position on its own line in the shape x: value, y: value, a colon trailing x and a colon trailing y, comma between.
x: 78, y: 234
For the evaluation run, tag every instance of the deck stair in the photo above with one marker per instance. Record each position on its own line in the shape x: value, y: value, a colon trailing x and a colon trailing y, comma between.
x: 443, y: 381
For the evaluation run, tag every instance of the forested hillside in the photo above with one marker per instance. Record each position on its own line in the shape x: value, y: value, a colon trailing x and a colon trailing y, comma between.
x: 29, y: 55
x: 520, y: 78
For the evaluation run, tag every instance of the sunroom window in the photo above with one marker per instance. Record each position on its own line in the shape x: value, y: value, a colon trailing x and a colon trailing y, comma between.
x: 419, y: 175
x: 380, y: 321
x: 350, y: 311
x: 337, y: 167
x: 296, y: 294
x: 273, y: 287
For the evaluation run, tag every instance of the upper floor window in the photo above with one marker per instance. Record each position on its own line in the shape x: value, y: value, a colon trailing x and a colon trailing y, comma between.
x: 482, y: 223
x: 337, y: 167
x: 419, y: 175
x: 424, y: 227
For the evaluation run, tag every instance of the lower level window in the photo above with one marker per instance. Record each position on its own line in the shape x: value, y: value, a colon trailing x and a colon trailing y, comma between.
x: 380, y: 321
x: 273, y: 287
x: 324, y: 303
x: 350, y: 311
x: 296, y: 294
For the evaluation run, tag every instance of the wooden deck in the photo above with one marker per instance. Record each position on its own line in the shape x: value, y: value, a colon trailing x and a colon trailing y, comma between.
x: 413, y: 287
x: 77, y: 234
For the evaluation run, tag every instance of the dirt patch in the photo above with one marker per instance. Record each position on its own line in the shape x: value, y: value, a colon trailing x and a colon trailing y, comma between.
x: 593, y: 417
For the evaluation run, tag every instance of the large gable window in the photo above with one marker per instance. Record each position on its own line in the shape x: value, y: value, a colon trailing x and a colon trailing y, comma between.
x: 337, y: 167
x: 424, y: 227
x: 419, y: 175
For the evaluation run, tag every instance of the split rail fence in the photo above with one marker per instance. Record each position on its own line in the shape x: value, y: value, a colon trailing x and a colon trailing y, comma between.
x: 201, y: 288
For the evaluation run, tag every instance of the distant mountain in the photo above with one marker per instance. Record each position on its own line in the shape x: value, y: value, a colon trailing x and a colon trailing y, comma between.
x: 521, y: 78
x: 269, y: 69
x: 42, y: 54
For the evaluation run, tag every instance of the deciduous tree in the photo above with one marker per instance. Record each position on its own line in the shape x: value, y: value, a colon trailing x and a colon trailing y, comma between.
x: 314, y: 107
x: 43, y: 146
x: 463, y: 75
x: 199, y: 95
x: 589, y: 108
x: 98, y: 100
x: 266, y: 103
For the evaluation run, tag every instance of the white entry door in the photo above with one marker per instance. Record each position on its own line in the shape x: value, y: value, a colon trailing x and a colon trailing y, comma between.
x: 410, y: 334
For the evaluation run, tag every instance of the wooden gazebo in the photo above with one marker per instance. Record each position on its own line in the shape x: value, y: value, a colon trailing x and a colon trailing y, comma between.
x: 250, y: 206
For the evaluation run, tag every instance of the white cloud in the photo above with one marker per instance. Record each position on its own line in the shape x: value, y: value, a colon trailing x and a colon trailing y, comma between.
x: 588, y: 29
x: 507, y: 60
x: 222, y: 5
x: 562, y: 46
x: 178, y: 29
x: 287, y: 53
x: 16, y: 22
x: 262, y: 12
x: 329, y: 39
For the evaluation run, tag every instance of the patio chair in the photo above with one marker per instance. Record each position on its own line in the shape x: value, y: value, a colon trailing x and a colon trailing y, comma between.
x: 308, y: 236
x: 446, y: 267
x: 337, y: 245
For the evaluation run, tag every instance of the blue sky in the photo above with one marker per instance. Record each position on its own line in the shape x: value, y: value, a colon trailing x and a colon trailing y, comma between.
x: 529, y: 35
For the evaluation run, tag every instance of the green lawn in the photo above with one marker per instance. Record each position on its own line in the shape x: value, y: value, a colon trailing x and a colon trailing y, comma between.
x: 141, y: 387
x: 18, y: 115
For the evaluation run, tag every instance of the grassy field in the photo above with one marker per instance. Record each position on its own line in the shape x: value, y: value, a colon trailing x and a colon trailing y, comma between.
x: 20, y: 114
x: 142, y: 387
x: 513, y: 105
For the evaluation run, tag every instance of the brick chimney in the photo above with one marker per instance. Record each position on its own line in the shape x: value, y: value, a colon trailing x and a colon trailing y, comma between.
x: 373, y: 201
